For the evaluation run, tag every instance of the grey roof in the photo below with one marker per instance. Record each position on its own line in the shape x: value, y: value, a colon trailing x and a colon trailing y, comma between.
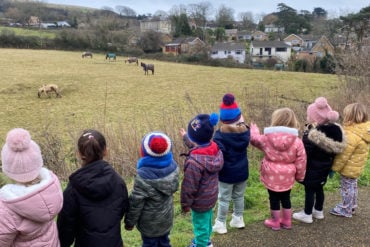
x: 269, y: 44
x: 228, y: 46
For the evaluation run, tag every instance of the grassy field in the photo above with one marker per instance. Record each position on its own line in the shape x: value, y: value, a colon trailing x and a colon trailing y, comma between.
x: 118, y: 97
x: 30, y: 32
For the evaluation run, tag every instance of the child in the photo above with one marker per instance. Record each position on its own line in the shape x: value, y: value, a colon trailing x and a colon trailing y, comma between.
x: 233, y: 139
x: 151, y: 201
x: 322, y: 139
x: 199, y: 188
x: 95, y: 199
x: 351, y: 163
x: 283, y: 163
x: 29, y: 205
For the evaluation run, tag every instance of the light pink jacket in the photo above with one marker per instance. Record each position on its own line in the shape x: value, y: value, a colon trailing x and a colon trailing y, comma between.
x: 27, y: 213
x: 285, y: 156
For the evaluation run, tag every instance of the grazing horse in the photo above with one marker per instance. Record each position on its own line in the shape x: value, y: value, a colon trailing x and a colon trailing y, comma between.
x: 147, y: 67
x: 48, y: 89
x: 110, y: 56
x: 132, y: 60
x: 87, y: 54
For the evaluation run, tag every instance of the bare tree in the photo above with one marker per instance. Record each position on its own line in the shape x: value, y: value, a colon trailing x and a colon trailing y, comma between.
x: 125, y: 11
x: 200, y: 12
x: 247, y: 20
x: 225, y: 17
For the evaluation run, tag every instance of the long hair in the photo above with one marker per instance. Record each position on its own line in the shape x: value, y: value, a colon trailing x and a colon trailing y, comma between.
x: 284, y: 117
x: 91, y: 146
x: 354, y: 113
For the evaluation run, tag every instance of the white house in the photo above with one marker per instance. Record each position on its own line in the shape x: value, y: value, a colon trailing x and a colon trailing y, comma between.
x: 232, y: 50
x: 263, y: 50
x: 161, y: 26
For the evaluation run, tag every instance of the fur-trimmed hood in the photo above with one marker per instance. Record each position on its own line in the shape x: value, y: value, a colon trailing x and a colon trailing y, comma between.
x: 320, y: 139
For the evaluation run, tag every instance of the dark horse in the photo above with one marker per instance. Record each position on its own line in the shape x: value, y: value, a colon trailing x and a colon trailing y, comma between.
x: 132, y: 60
x: 147, y: 67
x: 110, y: 56
x: 87, y: 54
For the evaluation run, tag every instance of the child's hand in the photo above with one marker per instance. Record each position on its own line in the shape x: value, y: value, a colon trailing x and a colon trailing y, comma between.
x: 129, y: 228
x: 182, y: 132
x: 184, y: 211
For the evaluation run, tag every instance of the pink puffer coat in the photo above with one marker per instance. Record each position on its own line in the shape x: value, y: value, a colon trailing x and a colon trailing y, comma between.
x: 27, y: 213
x: 285, y: 157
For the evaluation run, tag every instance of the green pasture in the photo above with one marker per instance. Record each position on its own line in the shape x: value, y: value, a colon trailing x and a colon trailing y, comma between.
x: 114, y: 94
x: 41, y: 33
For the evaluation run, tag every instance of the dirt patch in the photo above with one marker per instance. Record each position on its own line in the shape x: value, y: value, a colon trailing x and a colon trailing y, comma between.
x: 331, y: 231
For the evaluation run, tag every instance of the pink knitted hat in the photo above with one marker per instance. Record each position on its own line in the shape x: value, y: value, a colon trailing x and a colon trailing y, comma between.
x: 321, y: 112
x: 21, y: 157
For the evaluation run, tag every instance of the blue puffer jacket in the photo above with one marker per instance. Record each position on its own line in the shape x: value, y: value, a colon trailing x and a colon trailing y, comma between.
x: 233, y: 141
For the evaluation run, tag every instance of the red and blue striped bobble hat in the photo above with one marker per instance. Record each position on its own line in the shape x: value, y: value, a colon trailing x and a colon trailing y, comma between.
x: 229, y: 109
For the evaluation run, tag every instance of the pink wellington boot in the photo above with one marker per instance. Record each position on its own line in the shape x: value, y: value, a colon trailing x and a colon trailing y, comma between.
x: 274, y: 221
x: 286, y: 220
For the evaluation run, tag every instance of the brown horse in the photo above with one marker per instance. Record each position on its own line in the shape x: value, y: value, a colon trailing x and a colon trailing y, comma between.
x: 87, y: 54
x: 132, y: 60
x: 147, y: 67
x: 48, y: 89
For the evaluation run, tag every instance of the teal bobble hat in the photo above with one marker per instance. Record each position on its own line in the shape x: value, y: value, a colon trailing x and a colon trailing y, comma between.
x: 229, y: 109
x: 201, y: 128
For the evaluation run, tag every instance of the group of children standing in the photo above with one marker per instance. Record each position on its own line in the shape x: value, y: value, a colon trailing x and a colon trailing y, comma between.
x: 96, y: 199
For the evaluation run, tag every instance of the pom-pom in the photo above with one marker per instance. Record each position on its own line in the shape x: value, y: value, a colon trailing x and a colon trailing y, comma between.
x: 213, y: 119
x: 158, y: 144
x: 228, y: 99
x: 321, y: 103
x: 18, y: 139
x: 333, y: 116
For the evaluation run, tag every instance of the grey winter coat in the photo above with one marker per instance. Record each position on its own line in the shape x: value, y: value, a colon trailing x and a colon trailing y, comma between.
x: 151, y: 200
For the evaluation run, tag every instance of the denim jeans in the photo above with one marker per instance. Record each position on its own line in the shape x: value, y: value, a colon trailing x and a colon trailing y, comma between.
x: 162, y: 241
x: 228, y: 192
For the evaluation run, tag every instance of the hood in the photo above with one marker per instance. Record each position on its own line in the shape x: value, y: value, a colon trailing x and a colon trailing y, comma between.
x: 362, y: 130
x: 237, y: 137
x: 39, y: 202
x: 319, y: 138
x: 95, y: 180
x: 210, y: 157
x: 165, y: 180
x: 281, y: 138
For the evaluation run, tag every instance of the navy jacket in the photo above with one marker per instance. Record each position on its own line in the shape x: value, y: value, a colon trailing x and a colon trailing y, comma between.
x: 95, y: 202
x: 233, y: 141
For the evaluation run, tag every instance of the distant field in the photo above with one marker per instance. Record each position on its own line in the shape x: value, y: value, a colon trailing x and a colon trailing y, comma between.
x: 114, y: 92
x: 42, y: 33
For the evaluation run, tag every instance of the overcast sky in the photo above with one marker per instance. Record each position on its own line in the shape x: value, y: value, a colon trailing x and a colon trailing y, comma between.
x: 335, y: 8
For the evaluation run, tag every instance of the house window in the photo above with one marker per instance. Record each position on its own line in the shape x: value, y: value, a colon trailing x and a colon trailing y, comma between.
x: 225, y: 52
x: 281, y: 49
x: 214, y: 52
x: 238, y: 52
x: 229, y: 52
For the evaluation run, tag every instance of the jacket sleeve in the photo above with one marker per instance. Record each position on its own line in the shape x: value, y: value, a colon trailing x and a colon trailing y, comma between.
x: 8, y: 230
x: 341, y: 159
x: 67, y: 218
x: 190, y: 184
x: 257, y: 139
x: 137, y: 200
x: 301, y: 161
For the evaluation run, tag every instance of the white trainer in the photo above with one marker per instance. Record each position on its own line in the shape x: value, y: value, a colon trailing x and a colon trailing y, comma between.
x: 317, y: 214
x: 219, y: 227
x: 303, y: 217
x: 237, y: 221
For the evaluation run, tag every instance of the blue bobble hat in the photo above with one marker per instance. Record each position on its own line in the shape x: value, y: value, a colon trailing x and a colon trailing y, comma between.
x: 229, y: 109
x: 201, y: 128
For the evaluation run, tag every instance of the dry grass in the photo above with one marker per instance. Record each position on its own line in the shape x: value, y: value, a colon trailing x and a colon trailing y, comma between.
x: 123, y: 103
